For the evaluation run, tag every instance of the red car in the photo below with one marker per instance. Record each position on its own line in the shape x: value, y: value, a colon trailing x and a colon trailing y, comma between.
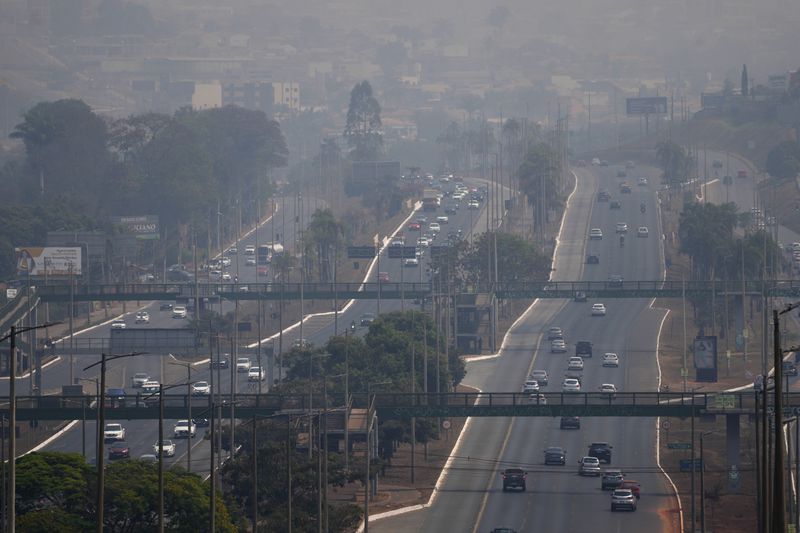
x: 414, y: 226
x: 634, y: 486
x: 383, y: 277
x: 119, y: 450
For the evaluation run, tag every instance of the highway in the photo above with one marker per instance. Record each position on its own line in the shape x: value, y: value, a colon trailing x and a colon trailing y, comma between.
x: 557, y: 499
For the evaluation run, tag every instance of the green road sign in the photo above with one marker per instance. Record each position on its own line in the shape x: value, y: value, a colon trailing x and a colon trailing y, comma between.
x: 725, y: 401
x: 679, y: 445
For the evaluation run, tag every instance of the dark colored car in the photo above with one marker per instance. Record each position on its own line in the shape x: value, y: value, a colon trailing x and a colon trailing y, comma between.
x: 580, y: 296
x: 367, y: 319
x: 625, y: 189
x: 451, y: 209
x: 615, y: 280
x: 165, y: 306
x: 789, y: 368
x: 503, y: 530
x: 222, y: 363
x: 601, y: 450
x: 616, y: 204
x: 201, y: 422
x: 119, y: 450
x: 555, y: 455
x: 622, y: 174
x: 612, y: 479
x: 115, y: 397
x: 570, y: 422
x: 603, y: 196
x: 592, y: 260
x: 514, y: 478
x: 583, y: 349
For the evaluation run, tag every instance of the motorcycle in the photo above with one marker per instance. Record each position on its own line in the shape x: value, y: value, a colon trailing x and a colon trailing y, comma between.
x: 621, y: 241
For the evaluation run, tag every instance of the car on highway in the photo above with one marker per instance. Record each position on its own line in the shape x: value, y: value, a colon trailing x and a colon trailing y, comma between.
x: 558, y: 346
x: 503, y: 530
x: 434, y: 227
x: 601, y: 450
x: 570, y: 422
x: 609, y: 390
x: 741, y: 174
x: 473, y: 204
x: 165, y: 306
x: 642, y: 182
x: 226, y: 276
x: 119, y: 450
x: 118, y: 324
x: 179, y: 311
x: 183, y: 429
x: 383, y: 277
x: 580, y: 296
x: 595, y: 234
x: 250, y: 261
x: 214, y: 275
x: 717, y: 163
x: 555, y: 332
x: 423, y: 242
x: 414, y: 226
x: 575, y: 363
x: 598, y: 310
x: 603, y: 196
x: 514, y: 478
x: 624, y: 188
x: 142, y: 317
x: 201, y: 388
x: 621, y: 227
x: 610, y: 359
x: 538, y: 398
x: 540, y: 376
x: 226, y: 261
x: 221, y: 362
x: 243, y: 364
x: 366, y: 319
x: 611, y: 479
x: 530, y: 385
x: 622, y: 174
x: 571, y: 385
x: 233, y: 250
x: 592, y: 259
x: 301, y: 343
x: 555, y: 455
x: 789, y: 368
x: 634, y: 487
x: 256, y: 374
x: 115, y: 397
x: 623, y: 499
x: 583, y: 349
x: 615, y: 280
x: 167, y: 447
x: 616, y: 204
x: 589, y: 466
x: 642, y: 232
x: 250, y: 249
x: 150, y: 386
x: 139, y: 379
x: 113, y: 432
x: 411, y: 262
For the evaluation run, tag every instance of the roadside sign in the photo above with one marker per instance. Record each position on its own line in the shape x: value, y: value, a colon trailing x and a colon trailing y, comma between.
x: 11, y: 293
x: 360, y: 252
x: 679, y: 445
x: 445, y: 424
x: 733, y: 473
x: 665, y: 425
x: 725, y: 401
x: 684, y: 372
x: 402, y: 252
x: 686, y: 465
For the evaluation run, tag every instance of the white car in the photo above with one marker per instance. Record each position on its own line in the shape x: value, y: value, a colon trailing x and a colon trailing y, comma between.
x: 118, y: 324
x: 139, y: 379
x: 201, y: 388
x: 255, y: 374
x: 167, y: 448
x: 575, y: 363
x: 642, y: 232
x: 142, y: 317
x: 571, y: 385
x: 226, y: 261
x: 555, y: 332
x: 622, y: 227
x: 531, y: 385
x: 214, y: 275
x: 537, y: 398
x: 250, y: 249
x: 183, y: 429
x: 423, y: 242
x: 434, y: 227
x: 242, y: 364
x: 611, y: 360
x: 558, y: 346
x: 114, y: 432
x: 226, y: 276
x: 590, y: 466
x: 179, y: 311
x: 540, y: 376
x: 641, y: 182
x: 250, y: 261
x: 411, y: 262
x: 473, y: 204
x: 150, y: 387
x: 609, y: 389
x: 442, y: 219
x: 595, y: 234
x: 232, y: 250
x: 598, y: 310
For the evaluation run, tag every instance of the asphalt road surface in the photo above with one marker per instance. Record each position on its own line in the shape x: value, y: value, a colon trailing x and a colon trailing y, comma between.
x: 557, y: 499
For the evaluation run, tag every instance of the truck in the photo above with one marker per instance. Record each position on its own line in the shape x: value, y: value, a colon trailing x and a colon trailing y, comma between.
x: 431, y: 200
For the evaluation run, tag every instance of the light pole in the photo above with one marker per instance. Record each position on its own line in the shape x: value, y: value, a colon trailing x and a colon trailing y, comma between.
x: 311, y: 357
x: 702, y: 483
x: 100, y: 459
x: 367, y: 490
x: 96, y: 382
x: 188, y: 367
x: 12, y: 419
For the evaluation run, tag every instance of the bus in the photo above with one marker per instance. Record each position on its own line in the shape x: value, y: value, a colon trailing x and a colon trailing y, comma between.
x: 265, y: 254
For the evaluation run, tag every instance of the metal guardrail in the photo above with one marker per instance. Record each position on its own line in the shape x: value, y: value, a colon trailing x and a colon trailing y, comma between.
x: 395, y: 290
x: 403, y: 405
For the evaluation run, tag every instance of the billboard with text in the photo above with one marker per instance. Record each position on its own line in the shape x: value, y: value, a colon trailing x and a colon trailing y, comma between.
x: 143, y: 227
x: 650, y: 105
x: 48, y: 260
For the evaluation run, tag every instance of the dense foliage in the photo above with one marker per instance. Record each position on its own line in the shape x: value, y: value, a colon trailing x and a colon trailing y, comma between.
x: 56, y: 492
x: 675, y: 163
x: 783, y: 161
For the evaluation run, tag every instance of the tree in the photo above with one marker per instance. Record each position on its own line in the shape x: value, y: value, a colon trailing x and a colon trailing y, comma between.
x: 517, y: 259
x: 704, y: 230
x: 745, y: 82
x: 363, y: 128
x: 783, y: 161
x: 538, y: 179
x: 323, y: 235
x: 674, y: 162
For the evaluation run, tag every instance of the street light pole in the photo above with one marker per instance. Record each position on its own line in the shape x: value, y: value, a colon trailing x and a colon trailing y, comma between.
x: 161, y: 456
x: 189, y: 401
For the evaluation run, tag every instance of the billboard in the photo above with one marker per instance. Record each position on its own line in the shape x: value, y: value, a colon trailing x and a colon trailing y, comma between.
x: 143, y: 227
x: 650, y: 105
x: 708, y: 100
x: 705, y: 358
x: 48, y: 261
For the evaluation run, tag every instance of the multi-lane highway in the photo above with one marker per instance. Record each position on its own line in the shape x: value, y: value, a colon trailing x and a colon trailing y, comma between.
x: 471, y: 497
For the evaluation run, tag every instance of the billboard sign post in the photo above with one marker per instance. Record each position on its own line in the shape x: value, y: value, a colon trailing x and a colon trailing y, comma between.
x: 48, y: 261
x: 705, y: 358
x: 650, y: 105
x: 142, y: 227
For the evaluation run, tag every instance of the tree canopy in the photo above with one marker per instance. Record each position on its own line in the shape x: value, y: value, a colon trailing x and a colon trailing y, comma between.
x: 783, y: 161
x: 363, y: 128
x: 675, y: 163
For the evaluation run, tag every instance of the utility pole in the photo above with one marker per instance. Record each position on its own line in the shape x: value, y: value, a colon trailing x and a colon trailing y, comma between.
x: 778, y: 490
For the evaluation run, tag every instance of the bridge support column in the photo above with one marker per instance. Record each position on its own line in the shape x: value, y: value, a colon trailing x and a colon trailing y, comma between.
x: 733, y: 447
